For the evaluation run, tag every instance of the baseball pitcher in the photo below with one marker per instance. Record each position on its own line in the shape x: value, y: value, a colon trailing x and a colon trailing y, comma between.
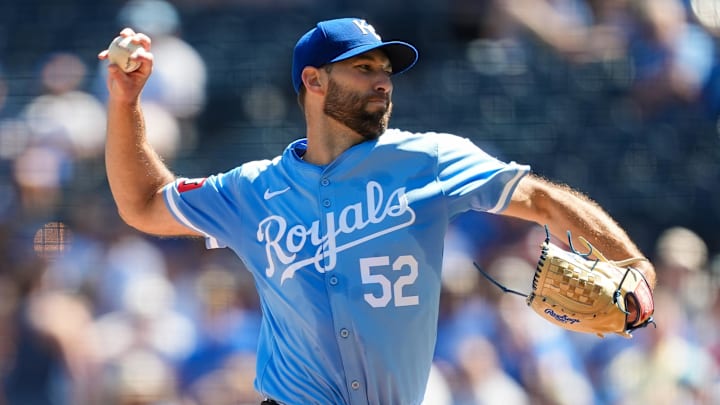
x: 343, y: 231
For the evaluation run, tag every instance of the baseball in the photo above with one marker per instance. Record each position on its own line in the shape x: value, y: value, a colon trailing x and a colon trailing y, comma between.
x: 119, y: 53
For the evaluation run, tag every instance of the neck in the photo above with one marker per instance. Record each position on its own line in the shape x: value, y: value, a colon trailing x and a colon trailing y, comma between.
x: 328, y: 140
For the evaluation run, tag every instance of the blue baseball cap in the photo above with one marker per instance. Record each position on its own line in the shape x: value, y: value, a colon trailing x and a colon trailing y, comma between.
x: 335, y: 40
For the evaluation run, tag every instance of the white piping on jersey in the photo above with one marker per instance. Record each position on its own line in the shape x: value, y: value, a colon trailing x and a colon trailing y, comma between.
x: 212, y: 243
x: 506, y: 191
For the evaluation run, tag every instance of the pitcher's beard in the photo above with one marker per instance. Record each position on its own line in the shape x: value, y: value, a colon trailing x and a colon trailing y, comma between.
x: 350, y: 109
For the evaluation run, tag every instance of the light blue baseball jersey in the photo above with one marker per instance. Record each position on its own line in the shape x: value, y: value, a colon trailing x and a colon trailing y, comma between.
x: 347, y: 257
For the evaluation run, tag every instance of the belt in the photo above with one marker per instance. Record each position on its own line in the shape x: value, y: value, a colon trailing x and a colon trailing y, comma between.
x: 268, y: 401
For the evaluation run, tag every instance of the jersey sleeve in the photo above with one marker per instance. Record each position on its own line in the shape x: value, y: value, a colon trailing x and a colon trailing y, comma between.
x: 205, y: 206
x: 472, y: 179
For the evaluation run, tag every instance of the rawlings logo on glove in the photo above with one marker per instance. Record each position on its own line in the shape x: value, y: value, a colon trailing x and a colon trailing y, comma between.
x: 588, y: 295
x: 561, y: 318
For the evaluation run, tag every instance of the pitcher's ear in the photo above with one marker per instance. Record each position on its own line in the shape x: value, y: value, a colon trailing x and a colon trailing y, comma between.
x: 311, y: 79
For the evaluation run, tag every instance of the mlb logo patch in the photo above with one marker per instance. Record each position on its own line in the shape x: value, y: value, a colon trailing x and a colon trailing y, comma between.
x: 190, y: 184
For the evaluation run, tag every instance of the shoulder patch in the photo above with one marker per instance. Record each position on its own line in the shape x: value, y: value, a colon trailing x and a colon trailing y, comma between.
x: 190, y: 184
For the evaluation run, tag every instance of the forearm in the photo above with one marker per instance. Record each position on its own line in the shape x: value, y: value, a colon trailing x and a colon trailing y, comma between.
x: 564, y: 209
x: 574, y: 212
x: 135, y: 172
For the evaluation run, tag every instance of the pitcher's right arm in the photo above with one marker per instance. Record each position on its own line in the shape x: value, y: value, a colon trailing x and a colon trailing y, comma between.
x: 135, y: 171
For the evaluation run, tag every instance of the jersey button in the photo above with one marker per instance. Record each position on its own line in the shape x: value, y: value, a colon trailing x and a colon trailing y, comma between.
x: 324, y: 182
x: 326, y: 203
x: 355, y: 385
x: 344, y: 333
x: 333, y: 280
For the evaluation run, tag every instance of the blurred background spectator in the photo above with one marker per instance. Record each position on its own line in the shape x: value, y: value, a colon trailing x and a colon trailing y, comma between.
x: 619, y: 98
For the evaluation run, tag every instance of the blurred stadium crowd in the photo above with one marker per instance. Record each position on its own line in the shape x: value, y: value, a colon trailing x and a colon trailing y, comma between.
x: 619, y: 98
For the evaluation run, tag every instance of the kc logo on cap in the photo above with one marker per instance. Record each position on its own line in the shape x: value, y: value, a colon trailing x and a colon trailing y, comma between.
x: 335, y: 40
x: 366, y: 28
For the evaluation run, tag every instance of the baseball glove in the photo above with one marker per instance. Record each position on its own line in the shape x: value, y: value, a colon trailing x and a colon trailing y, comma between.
x: 588, y: 295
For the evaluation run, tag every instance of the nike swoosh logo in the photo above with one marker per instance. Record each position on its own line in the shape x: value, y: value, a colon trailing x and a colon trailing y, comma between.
x: 270, y: 194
